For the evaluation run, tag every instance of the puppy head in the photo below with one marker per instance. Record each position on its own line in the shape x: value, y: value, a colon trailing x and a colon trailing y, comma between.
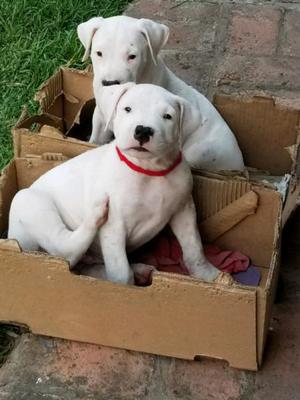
x: 120, y: 47
x: 147, y: 120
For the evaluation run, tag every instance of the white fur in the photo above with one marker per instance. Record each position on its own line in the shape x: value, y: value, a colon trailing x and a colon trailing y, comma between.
x: 62, y: 210
x: 210, y: 144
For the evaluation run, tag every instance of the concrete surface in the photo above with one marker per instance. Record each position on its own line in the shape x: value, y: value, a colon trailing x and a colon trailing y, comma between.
x: 225, y: 46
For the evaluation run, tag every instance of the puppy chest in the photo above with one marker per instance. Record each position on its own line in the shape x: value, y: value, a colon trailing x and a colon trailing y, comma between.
x: 144, y: 205
x: 151, y: 208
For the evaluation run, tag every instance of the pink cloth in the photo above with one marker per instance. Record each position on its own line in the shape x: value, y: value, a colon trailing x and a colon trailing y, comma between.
x: 164, y: 253
x: 226, y: 260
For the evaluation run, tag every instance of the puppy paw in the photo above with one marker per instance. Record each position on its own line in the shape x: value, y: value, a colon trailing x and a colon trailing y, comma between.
x: 142, y: 274
x: 206, y: 272
x: 224, y: 278
x: 123, y: 276
x: 99, y: 213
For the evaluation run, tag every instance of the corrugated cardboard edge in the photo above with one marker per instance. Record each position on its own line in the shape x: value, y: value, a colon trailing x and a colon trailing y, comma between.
x: 231, y: 215
x: 8, y: 185
x: 26, y: 142
x: 53, y: 88
x: 50, y: 90
x: 265, y: 298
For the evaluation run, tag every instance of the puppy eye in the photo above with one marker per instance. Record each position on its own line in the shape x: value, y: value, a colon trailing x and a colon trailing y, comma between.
x: 127, y: 109
x: 99, y: 53
x: 131, y: 57
x: 167, y: 116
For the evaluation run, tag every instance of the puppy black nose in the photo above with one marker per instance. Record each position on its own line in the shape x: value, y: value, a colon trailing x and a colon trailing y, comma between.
x: 109, y: 83
x: 142, y: 134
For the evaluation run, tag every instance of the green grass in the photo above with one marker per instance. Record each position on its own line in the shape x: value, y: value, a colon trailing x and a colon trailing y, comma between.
x: 36, y: 37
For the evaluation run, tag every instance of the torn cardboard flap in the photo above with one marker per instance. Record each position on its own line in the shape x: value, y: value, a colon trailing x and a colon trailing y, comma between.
x: 254, y: 176
x: 50, y: 131
x: 35, y: 122
x: 221, y: 222
x: 47, y: 140
x: 81, y: 128
x: 10, y: 245
x: 49, y: 91
x: 65, y: 93
x: 70, y: 98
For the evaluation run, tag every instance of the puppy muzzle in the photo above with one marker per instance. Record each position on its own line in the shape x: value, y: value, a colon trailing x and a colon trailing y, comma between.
x: 143, y: 133
x: 110, y: 83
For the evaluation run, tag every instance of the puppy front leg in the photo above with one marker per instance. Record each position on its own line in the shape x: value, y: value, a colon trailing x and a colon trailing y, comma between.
x: 98, y: 126
x: 184, y: 226
x: 113, y: 247
x: 99, y: 135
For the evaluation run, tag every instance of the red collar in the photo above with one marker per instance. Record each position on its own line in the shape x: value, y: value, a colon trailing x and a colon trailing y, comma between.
x: 149, y: 172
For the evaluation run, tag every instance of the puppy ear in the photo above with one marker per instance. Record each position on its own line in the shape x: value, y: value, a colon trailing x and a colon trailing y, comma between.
x: 108, y: 98
x: 86, y: 31
x: 190, y: 118
x: 156, y: 35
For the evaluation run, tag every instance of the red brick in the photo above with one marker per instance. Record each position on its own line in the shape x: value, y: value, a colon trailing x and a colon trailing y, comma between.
x: 192, y: 67
x: 290, y: 45
x: 171, y: 10
x: 155, y: 9
x: 253, y: 31
x: 260, y: 73
x: 202, y: 380
x: 192, y: 25
x: 197, y: 35
x: 70, y: 370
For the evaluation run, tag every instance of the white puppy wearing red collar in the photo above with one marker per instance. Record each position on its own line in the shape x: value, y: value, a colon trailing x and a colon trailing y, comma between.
x: 125, y: 49
x: 142, y: 172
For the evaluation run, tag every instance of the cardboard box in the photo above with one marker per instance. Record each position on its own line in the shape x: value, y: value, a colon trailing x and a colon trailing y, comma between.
x: 176, y: 316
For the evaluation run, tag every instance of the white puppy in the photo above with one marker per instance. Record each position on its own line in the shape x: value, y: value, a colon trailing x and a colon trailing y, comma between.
x: 126, y: 49
x: 142, y: 172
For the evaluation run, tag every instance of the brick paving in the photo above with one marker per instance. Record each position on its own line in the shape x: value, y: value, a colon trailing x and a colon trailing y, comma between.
x: 218, y: 46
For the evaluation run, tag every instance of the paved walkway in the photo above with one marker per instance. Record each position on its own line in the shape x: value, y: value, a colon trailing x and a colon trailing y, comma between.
x: 224, y: 46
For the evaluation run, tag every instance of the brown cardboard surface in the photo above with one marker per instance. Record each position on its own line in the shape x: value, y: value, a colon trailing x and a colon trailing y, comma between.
x: 263, y: 129
x: 8, y: 188
x: 175, y: 316
x: 231, y: 215
x: 65, y: 93
x: 26, y: 143
x: 254, y: 235
x: 50, y: 90
x: 32, y: 168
